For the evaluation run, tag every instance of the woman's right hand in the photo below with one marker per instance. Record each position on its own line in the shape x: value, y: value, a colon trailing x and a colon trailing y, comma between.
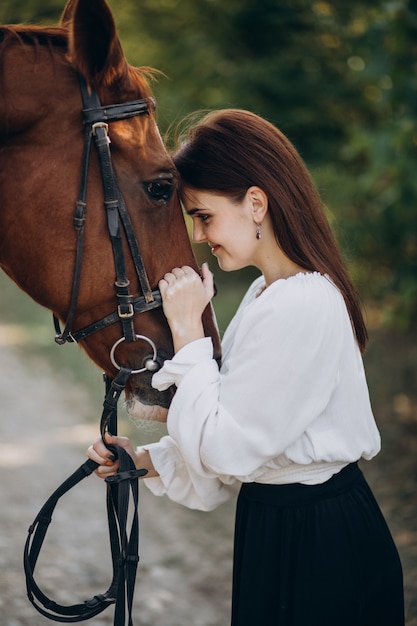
x: 108, y: 465
x: 184, y: 297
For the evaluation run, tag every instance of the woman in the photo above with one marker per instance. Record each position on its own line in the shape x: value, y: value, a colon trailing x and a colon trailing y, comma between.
x: 288, y: 416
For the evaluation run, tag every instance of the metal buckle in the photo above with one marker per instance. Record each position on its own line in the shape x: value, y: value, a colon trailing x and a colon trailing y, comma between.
x: 99, y: 125
x: 130, y: 313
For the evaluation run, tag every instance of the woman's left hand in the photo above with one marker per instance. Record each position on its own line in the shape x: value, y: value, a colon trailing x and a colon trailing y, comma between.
x: 184, y: 297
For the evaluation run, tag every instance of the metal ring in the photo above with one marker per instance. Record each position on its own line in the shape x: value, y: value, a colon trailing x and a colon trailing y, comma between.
x: 119, y: 341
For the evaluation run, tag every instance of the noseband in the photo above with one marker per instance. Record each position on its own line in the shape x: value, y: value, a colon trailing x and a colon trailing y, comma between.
x: 124, y: 485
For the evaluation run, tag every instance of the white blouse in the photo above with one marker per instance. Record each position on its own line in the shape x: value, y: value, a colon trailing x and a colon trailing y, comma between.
x: 290, y: 403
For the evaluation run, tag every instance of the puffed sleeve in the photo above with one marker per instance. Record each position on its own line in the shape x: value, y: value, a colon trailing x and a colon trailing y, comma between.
x: 279, y: 376
x: 182, y: 484
x: 178, y: 479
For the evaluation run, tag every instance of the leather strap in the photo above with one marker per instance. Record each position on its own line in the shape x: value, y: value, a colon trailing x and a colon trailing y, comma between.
x: 95, y: 120
x: 79, y: 224
x: 123, y: 486
x: 114, y: 112
x: 139, y: 306
x: 123, y: 544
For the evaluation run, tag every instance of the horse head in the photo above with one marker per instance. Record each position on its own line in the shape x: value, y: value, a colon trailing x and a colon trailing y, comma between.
x: 42, y: 148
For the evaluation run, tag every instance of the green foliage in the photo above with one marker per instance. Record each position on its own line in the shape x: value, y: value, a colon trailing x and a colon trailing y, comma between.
x: 285, y: 61
x: 339, y: 78
x: 382, y: 218
x: 30, y: 11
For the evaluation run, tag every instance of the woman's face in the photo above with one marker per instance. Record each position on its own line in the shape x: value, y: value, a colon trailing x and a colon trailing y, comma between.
x: 227, y: 227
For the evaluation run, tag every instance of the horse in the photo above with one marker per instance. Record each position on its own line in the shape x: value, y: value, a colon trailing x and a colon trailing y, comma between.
x: 114, y: 313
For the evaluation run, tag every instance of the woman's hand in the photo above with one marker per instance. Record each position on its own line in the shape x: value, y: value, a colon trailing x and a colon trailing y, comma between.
x: 108, y: 465
x: 184, y: 298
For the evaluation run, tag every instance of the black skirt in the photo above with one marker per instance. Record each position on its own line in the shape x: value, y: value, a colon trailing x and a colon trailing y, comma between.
x: 319, y: 555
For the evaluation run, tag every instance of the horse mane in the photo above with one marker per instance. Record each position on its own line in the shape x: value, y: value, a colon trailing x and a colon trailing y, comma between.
x: 33, y: 35
x: 57, y: 37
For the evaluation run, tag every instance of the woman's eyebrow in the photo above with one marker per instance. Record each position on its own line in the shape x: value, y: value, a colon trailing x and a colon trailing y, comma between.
x: 192, y: 212
x: 185, y: 210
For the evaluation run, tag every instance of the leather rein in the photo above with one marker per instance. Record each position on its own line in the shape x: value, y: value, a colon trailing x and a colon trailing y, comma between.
x: 123, y: 486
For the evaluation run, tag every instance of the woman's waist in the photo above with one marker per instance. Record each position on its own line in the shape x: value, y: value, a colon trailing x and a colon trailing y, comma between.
x: 287, y: 494
x: 306, y: 474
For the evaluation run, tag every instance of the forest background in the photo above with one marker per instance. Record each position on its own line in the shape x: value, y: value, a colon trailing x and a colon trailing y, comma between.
x: 340, y: 79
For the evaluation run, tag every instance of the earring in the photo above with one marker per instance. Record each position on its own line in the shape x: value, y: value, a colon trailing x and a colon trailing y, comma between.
x: 258, y: 231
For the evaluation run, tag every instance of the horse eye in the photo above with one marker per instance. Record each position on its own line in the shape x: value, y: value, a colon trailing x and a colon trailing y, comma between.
x: 159, y: 189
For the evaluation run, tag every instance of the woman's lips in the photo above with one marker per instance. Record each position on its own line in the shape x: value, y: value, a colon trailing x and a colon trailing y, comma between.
x: 214, y: 248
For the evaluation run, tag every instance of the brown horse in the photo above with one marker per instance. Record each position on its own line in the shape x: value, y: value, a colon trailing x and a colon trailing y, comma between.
x: 41, y: 150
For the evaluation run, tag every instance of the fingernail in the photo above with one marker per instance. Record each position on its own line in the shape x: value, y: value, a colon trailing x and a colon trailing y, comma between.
x: 109, y: 463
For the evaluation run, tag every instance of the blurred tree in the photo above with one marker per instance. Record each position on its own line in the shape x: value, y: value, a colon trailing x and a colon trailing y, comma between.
x: 338, y: 78
x: 380, y: 219
x: 285, y: 61
x: 30, y: 11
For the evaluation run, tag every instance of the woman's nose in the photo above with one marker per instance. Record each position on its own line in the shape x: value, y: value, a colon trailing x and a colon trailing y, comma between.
x: 198, y: 234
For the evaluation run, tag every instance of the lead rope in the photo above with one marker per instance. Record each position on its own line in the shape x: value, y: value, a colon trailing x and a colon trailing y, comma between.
x: 121, y: 489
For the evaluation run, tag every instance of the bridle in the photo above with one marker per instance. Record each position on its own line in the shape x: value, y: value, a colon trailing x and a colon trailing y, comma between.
x: 122, y: 486
x: 96, y: 118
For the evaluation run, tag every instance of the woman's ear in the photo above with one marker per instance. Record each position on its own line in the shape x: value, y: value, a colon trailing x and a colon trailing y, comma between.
x: 259, y: 201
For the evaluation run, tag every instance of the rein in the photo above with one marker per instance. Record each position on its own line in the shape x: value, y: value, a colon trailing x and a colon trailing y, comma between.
x: 124, y: 545
x: 123, y: 486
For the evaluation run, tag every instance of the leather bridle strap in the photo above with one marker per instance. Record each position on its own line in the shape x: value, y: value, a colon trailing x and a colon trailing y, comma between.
x: 124, y: 545
x: 123, y: 485
x: 139, y: 306
x: 79, y: 226
x: 95, y: 120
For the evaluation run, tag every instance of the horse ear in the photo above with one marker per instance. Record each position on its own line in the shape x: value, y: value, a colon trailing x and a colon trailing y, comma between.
x: 94, y: 47
x: 67, y: 13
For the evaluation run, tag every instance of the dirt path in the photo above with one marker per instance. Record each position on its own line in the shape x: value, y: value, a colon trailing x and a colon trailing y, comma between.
x: 185, y: 570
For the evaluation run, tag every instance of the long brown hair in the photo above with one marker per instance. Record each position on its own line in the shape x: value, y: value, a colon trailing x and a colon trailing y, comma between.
x: 230, y: 150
